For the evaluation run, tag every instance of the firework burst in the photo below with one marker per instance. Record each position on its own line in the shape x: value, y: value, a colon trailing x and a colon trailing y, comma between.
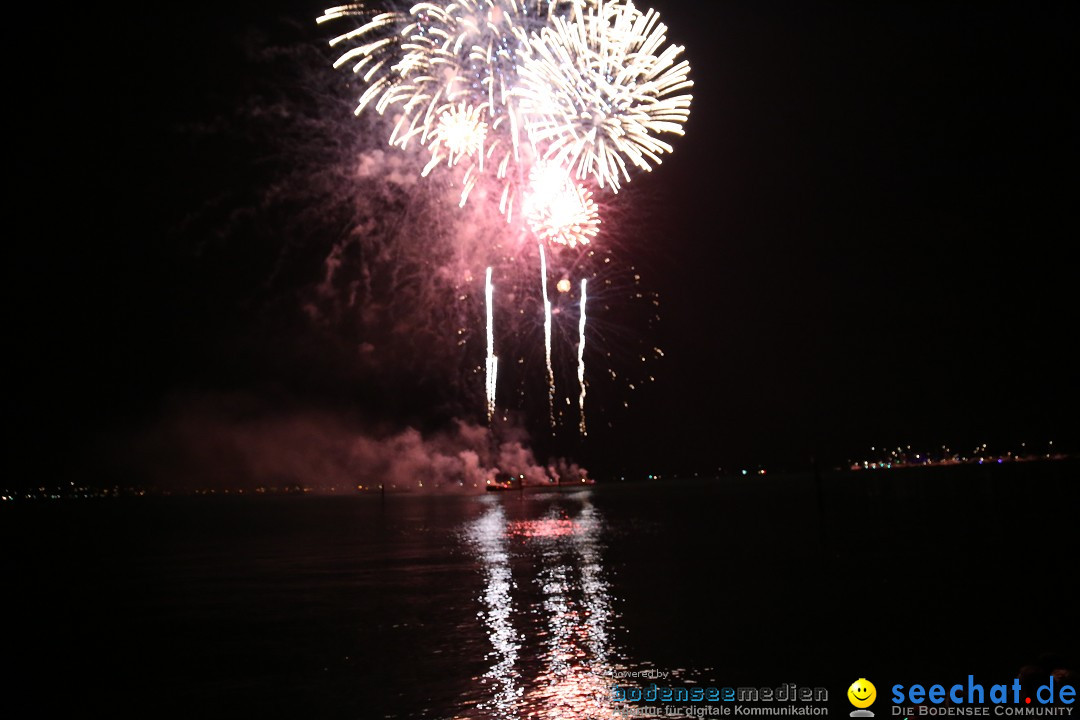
x: 587, y: 85
x: 459, y: 135
x: 559, y: 210
x: 532, y: 102
x: 596, y: 92
x: 451, y: 57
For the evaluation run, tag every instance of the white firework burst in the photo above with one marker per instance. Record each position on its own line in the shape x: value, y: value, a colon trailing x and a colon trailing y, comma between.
x: 459, y: 134
x: 595, y: 91
x: 559, y: 210
x: 441, y: 56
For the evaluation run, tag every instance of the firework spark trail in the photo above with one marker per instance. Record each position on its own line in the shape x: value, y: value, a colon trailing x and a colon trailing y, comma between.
x: 581, y: 358
x: 547, y: 337
x: 492, y: 361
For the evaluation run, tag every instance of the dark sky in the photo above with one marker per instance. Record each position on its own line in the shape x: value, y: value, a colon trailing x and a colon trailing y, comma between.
x: 871, y: 227
x: 864, y: 237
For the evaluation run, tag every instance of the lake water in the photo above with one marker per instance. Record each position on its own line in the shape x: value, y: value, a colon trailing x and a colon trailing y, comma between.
x: 534, y: 605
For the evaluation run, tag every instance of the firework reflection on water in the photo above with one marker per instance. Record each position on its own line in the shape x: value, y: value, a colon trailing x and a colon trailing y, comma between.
x: 564, y: 630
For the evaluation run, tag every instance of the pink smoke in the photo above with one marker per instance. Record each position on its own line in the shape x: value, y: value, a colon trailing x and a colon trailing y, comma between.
x: 228, y: 442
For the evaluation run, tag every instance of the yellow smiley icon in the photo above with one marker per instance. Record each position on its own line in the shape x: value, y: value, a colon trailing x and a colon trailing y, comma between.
x: 862, y: 693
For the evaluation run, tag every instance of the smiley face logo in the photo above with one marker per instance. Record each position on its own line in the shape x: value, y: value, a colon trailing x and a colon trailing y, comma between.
x: 862, y: 693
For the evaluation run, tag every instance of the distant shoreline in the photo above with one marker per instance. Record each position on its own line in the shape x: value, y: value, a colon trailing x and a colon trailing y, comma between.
x: 1040, y: 466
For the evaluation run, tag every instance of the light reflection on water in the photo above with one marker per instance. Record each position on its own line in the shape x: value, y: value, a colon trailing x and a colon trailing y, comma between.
x: 488, y: 533
x: 546, y: 596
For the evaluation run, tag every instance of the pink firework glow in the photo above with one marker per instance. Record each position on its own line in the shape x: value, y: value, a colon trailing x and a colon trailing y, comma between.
x: 523, y: 108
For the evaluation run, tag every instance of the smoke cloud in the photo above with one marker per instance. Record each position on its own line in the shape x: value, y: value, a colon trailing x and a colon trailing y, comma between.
x: 326, y: 269
x: 236, y: 442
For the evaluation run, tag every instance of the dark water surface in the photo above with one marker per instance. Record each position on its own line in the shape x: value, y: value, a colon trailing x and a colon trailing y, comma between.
x: 528, y: 605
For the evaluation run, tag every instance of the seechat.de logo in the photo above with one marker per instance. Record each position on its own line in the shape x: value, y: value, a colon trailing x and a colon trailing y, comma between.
x: 862, y: 694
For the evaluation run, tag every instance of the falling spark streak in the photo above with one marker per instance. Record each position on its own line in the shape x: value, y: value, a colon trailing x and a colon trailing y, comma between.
x: 581, y: 359
x: 492, y: 361
x: 547, y: 337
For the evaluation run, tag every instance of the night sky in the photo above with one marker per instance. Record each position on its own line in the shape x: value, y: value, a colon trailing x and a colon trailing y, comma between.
x: 863, y: 239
